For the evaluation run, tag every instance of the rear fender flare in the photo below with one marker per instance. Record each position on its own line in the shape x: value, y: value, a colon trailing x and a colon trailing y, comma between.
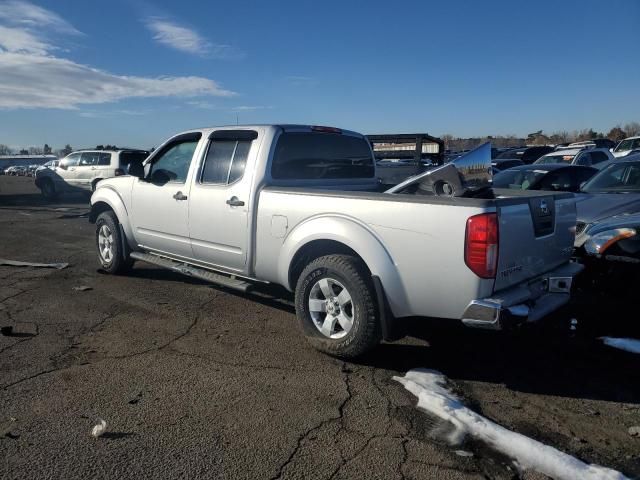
x: 357, y: 237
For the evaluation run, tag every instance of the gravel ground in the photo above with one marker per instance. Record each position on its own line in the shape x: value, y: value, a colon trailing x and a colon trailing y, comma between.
x: 197, y: 381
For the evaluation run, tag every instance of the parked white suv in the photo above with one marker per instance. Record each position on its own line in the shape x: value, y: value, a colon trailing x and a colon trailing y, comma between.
x: 82, y: 170
x: 626, y: 146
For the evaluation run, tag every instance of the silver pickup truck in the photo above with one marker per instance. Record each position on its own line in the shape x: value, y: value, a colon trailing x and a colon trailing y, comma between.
x: 299, y: 206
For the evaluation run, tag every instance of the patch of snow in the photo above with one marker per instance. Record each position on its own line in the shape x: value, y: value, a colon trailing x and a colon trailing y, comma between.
x: 99, y: 429
x: 434, y: 397
x: 627, y: 344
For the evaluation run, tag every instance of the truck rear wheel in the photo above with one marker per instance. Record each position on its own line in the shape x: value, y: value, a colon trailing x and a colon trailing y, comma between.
x: 336, y: 306
x: 109, y: 244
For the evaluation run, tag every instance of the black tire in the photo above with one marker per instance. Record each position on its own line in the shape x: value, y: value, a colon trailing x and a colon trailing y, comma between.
x: 117, y: 261
x: 48, y: 189
x: 352, y: 274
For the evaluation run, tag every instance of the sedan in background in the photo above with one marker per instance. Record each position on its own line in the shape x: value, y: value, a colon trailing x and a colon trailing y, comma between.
x: 557, y: 177
x: 578, y: 156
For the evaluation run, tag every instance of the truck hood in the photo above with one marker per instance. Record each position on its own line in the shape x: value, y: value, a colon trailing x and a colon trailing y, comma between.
x: 596, y: 207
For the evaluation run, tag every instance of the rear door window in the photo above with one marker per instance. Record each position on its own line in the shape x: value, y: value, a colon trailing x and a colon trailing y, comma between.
x: 89, y: 158
x: 225, y: 161
x: 307, y: 156
x: 104, y: 159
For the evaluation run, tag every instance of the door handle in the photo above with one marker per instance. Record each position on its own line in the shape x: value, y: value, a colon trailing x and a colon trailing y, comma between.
x: 235, y: 202
x: 72, y: 169
x: 179, y: 196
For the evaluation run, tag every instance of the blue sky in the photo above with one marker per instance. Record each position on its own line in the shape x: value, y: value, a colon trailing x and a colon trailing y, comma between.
x: 134, y: 72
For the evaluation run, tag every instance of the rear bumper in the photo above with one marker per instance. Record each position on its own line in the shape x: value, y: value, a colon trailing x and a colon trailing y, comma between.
x: 523, y: 303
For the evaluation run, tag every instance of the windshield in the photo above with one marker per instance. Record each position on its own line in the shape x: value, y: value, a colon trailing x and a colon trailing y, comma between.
x: 624, y: 145
x: 517, y: 179
x: 617, y: 178
x: 555, y: 159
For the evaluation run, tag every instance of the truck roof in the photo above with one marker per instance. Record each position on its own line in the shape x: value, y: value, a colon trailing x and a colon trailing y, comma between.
x: 287, y: 127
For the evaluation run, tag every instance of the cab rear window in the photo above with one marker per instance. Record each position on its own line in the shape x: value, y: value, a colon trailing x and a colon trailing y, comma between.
x: 310, y: 156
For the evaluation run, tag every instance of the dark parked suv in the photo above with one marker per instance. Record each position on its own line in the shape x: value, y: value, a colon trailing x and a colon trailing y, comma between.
x: 525, y: 154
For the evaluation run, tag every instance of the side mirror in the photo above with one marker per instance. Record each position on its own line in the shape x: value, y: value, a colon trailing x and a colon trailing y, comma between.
x: 63, y: 166
x: 136, y: 169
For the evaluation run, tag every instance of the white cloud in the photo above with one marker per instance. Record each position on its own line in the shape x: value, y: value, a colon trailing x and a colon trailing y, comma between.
x: 249, y: 108
x: 187, y: 40
x: 26, y: 14
x: 31, y: 77
x: 18, y: 40
x: 50, y: 82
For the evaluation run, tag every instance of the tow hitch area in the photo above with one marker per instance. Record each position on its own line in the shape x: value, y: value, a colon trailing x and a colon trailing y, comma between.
x: 522, y: 303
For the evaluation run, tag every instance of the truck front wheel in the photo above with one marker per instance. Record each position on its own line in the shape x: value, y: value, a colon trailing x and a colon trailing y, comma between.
x: 336, y: 306
x: 109, y: 244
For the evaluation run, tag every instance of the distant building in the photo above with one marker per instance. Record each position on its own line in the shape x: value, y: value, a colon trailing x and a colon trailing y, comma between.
x: 7, y: 161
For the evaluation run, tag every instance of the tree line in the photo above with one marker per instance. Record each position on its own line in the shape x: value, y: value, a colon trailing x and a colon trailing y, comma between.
x: 616, y: 134
x: 45, y: 150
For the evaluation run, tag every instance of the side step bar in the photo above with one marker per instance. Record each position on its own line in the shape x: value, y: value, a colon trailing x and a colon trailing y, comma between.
x: 191, y: 271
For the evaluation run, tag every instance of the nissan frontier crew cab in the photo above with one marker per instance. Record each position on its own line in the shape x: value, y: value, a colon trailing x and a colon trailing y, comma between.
x: 300, y: 206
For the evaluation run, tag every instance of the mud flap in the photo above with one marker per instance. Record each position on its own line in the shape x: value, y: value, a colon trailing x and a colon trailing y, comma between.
x: 391, y: 329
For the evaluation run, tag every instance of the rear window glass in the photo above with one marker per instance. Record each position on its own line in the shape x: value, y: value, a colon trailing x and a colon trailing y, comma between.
x: 518, y: 179
x: 511, y: 154
x: 555, y: 159
x: 306, y: 156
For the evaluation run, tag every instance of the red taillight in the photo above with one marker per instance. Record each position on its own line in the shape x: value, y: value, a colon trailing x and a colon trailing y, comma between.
x: 481, y: 245
x: 119, y: 172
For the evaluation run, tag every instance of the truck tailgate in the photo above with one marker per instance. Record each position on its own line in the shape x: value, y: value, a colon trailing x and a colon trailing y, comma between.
x: 537, y: 231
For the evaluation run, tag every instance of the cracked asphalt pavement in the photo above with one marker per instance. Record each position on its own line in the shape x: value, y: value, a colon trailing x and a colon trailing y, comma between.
x: 196, y: 381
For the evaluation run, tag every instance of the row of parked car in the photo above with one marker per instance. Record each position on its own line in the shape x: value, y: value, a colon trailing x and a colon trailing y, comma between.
x: 20, y: 170
x: 607, y: 187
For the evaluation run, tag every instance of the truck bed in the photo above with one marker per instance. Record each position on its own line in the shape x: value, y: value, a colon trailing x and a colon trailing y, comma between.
x: 405, y: 224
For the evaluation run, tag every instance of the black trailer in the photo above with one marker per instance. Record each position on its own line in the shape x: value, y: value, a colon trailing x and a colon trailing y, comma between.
x: 399, y: 156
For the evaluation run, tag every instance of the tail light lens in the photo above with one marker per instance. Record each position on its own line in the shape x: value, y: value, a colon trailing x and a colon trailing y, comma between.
x: 119, y: 171
x: 481, y: 245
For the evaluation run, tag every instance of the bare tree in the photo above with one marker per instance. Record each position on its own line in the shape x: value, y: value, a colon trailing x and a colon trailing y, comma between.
x: 35, y: 151
x: 5, y: 150
x: 616, y: 134
x: 632, y: 129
